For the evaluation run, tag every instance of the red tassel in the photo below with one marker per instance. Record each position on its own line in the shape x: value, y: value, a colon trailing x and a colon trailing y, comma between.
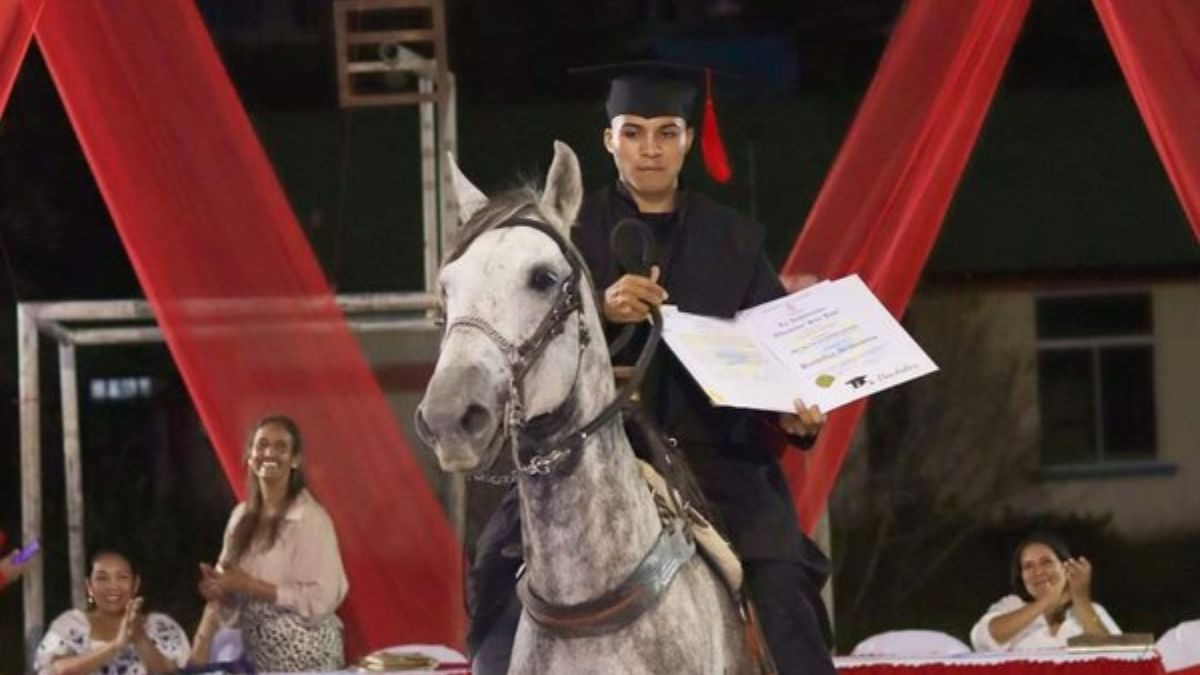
x: 716, y: 162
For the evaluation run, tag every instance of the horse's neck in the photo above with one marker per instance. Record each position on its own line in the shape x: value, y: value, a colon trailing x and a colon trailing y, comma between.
x: 586, y: 532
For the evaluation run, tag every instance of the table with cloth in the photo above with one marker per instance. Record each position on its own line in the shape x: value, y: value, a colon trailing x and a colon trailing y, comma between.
x: 1098, y: 662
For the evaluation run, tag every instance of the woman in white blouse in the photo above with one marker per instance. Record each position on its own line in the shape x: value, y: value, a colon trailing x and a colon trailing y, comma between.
x: 280, y: 577
x: 1052, y: 601
x: 112, y: 636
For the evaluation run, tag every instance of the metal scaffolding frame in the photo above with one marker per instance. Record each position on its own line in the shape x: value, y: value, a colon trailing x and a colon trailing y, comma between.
x: 60, y: 321
x: 404, y: 42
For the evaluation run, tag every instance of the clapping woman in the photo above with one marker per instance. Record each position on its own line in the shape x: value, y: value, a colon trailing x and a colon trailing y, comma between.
x: 112, y: 636
x: 279, y: 577
x: 1051, y: 601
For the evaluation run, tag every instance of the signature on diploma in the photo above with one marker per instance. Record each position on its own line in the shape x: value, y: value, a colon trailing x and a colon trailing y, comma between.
x: 895, y: 372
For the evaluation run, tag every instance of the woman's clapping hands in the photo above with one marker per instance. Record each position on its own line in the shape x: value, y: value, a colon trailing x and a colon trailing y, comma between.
x: 1078, y: 578
x: 133, y: 623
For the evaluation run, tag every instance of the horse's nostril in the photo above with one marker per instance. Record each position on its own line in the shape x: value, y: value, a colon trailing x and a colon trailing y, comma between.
x: 475, y: 419
x: 423, y: 431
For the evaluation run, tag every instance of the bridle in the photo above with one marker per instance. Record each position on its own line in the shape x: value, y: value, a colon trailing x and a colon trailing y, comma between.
x: 548, y: 448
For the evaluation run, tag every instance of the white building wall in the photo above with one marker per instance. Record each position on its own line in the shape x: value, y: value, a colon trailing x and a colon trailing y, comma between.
x: 1137, y: 504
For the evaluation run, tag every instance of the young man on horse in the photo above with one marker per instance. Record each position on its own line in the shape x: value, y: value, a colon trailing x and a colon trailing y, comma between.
x: 710, y: 261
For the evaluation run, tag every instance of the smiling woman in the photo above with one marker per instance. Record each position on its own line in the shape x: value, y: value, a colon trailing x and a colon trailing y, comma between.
x: 1051, y: 601
x: 112, y: 636
x: 279, y: 577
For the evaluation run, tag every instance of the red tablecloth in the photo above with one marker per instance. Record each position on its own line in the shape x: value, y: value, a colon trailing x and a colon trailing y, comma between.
x: 1048, y: 663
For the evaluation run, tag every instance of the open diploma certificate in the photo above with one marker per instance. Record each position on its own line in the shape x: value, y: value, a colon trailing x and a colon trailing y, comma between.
x: 828, y: 344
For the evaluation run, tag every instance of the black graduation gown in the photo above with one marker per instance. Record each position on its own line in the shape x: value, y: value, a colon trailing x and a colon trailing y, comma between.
x: 715, y: 266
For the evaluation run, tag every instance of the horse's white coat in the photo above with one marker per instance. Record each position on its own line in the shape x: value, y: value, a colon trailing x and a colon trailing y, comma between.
x: 584, y: 530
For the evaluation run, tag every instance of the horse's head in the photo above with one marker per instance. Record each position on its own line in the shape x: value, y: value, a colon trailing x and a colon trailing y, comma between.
x: 512, y: 334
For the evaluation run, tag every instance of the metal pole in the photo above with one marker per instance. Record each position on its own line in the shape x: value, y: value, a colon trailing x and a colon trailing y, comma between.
x: 447, y: 223
x: 133, y: 310
x: 448, y: 135
x: 457, y: 498
x: 72, y: 468
x: 429, y: 184
x: 31, y: 472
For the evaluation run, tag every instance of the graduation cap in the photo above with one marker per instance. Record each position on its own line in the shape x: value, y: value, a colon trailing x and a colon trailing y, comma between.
x: 659, y: 89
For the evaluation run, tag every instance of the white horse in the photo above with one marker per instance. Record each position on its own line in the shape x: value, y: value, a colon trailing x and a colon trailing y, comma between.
x: 524, y: 365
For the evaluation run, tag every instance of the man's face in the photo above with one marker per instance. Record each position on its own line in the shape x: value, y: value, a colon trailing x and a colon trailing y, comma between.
x: 649, y: 153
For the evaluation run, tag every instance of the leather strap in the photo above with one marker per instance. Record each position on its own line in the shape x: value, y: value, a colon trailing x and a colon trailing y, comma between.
x: 622, y: 605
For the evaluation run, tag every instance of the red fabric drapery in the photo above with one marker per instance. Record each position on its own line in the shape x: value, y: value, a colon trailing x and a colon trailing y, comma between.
x: 882, y: 204
x: 246, y: 310
x: 17, y: 18
x: 1157, y: 43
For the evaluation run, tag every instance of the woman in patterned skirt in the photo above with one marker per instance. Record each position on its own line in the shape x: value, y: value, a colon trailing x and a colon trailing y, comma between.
x: 112, y: 636
x: 279, y: 578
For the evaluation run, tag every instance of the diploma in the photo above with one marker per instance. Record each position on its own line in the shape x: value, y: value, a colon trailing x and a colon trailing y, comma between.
x: 829, y: 344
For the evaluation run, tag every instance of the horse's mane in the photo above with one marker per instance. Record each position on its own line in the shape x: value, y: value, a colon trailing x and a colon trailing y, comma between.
x: 518, y: 201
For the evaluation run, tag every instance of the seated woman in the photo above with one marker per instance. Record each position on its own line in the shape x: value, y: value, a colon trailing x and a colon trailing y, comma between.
x: 1052, y: 601
x: 112, y: 636
x: 279, y: 578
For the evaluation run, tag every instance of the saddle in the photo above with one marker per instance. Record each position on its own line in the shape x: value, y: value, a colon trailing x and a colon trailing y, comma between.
x: 718, y: 554
x: 711, y: 544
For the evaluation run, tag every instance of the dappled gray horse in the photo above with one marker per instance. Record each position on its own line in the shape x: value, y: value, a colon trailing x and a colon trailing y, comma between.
x: 524, y: 366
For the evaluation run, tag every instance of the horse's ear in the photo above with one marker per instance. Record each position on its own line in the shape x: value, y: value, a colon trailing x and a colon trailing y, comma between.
x: 469, y: 198
x: 564, y: 187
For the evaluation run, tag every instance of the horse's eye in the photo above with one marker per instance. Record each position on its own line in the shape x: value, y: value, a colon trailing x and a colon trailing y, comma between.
x: 542, y: 279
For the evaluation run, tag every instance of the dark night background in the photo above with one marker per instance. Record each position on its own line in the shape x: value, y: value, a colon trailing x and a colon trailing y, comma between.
x: 353, y: 177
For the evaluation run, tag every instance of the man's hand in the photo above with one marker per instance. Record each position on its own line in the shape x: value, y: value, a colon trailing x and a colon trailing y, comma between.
x: 630, y: 298
x: 806, y: 422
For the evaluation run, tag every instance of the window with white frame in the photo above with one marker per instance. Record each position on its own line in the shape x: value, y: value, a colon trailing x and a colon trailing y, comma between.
x: 1096, y: 378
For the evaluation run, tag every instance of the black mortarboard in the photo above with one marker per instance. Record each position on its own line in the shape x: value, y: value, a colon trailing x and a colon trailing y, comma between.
x: 660, y: 89
x: 648, y: 88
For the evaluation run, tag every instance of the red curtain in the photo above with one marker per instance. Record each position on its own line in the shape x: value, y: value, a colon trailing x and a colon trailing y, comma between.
x: 17, y: 18
x: 883, y: 201
x: 1157, y: 43
x: 247, y: 312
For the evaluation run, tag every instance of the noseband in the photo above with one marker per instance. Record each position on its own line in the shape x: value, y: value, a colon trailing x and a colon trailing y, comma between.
x: 547, y: 449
